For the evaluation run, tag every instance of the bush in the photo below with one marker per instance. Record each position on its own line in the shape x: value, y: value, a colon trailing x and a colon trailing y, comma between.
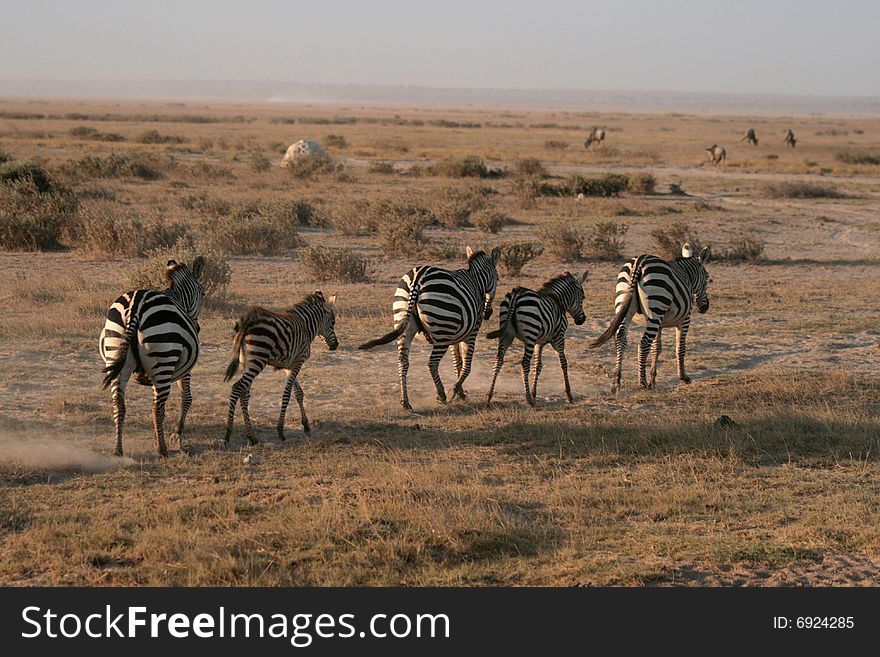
x: 311, y: 167
x: 31, y: 219
x: 643, y: 183
x: 531, y: 167
x: 155, y: 137
x: 114, y: 165
x: 259, y: 162
x: 102, y: 231
x: 803, y: 190
x: 611, y: 184
x: 470, y: 166
x: 336, y: 141
x: 516, y: 255
x: 151, y: 273
x: 86, y: 132
x: 245, y: 233
x: 562, y: 241
x: 605, y: 241
x: 555, y: 144
x: 28, y: 172
x: 858, y: 158
x: 670, y: 240
x: 743, y: 249
x: 380, y: 167
x: 403, y: 234
x: 335, y: 264
x: 491, y: 221
x: 454, y: 206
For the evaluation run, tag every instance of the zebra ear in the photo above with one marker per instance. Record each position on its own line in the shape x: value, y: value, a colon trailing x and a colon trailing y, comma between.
x: 469, y: 251
x: 705, y: 255
x: 318, y: 293
x: 686, y: 250
x: 332, y: 300
x: 584, y: 277
x: 171, y: 263
x: 198, y: 266
x: 496, y: 254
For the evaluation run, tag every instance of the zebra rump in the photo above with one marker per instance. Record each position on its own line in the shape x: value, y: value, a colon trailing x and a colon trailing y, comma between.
x: 624, y: 309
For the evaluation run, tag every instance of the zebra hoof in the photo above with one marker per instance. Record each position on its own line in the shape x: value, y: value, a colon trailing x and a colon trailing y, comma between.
x: 570, y: 399
x: 685, y: 379
x: 441, y: 399
x: 459, y: 393
x: 407, y: 407
x: 281, y: 436
x: 252, y: 441
x: 306, y: 430
x: 117, y: 452
x: 163, y: 453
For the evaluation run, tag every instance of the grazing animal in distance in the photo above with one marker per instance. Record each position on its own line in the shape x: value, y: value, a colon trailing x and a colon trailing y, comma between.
x: 447, y: 308
x: 663, y: 293
x: 538, y: 318
x: 790, y: 139
x: 596, y: 136
x: 717, y: 155
x: 750, y: 135
x: 155, y: 336
x: 283, y: 340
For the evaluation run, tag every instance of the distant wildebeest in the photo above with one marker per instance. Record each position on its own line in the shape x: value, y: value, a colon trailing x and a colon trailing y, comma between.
x: 447, y: 307
x: 790, y: 139
x: 717, y: 155
x: 663, y: 293
x: 596, y: 136
x: 155, y: 336
x: 538, y: 318
x: 751, y: 136
x: 283, y: 340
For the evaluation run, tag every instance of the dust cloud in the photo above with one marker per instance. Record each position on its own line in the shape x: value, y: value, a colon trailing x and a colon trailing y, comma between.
x: 26, y: 450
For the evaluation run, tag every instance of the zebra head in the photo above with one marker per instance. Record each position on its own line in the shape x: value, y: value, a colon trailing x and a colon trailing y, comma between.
x: 567, y: 290
x: 328, y: 322
x: 576, y: 304
x: 700, y: 281
x: 485, y: 269
x: 184, y: 286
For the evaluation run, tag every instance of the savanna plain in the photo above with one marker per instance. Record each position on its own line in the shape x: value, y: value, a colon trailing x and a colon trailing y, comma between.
x: 641, y: 488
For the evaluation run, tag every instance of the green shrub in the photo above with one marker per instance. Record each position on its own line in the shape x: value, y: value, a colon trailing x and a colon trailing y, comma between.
x: 611, y: 184
x: 516, y: 255
x: 335, y: 264
x: 491, y: 221
x: 670, y: 240
x: 150, y: 274
x: 470, y: 166
x: 605, y: 241
x: 643, y: 183
x: 562, y: 241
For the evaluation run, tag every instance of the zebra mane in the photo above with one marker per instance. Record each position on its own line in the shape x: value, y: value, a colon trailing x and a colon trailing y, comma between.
x: 550, y: 285
x: 308, y: 300
x: 475, y: 255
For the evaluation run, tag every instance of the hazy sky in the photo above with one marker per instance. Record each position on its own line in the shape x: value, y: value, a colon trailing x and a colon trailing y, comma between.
x: 782, y: 46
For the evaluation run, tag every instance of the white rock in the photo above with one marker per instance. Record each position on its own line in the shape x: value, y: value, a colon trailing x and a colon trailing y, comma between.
x: 302, y: 149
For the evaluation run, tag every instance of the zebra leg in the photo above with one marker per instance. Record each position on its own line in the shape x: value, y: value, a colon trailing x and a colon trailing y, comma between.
x: 559, y: 346
x: 619, y: 347
x: 185, y: 403
x: 455, y: 350
x: 526, y: 366
x: 117, y: 391
x: 434, y: 367
x: 458, y: 390
x: 645, y: 345
x: 302, y: 409
x: 539, y: 365
x: 403, y: 343
x: 160, y: 396
x: 244, y: 400
x: 680, y: 337
x: 656, y: 348
x: 285, y: 400
x: 503, y: 345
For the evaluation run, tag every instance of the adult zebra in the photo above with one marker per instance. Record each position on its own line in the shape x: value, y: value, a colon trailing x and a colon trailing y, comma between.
x: 447, y: 307
x: 537, y: 318
x: 663, y: 293
x: 155, y: 336
x: 282, y: 340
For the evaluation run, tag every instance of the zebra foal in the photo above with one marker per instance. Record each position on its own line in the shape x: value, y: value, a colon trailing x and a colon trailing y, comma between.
x: 283, y: 340
x: 663, y: 293
x: 447, y: 307
x: 155, y: 336
x: 538, y: 318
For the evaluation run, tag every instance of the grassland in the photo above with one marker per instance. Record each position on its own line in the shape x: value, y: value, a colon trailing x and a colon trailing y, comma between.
x: 642, y: 488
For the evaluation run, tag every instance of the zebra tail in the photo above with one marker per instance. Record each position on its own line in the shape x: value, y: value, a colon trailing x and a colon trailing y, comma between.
x: 508, y: 319
x: 237, y: 351
x: 400, y: 328
x: 624, y: 309
x: 112, y: 371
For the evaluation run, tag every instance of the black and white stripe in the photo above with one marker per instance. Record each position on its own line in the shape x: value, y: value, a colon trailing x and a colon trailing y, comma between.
x: 538, y: 318
x: 282, y: 340
x: 154, y: 335
x: 447, y: 307
x: 663, y: 293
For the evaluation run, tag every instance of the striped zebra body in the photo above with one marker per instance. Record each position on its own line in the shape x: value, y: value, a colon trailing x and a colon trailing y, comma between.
x: 447, y: 307
x: 663, y: 294
x: 536, y: 319
x: 280, y: 339
x: 155, y: 336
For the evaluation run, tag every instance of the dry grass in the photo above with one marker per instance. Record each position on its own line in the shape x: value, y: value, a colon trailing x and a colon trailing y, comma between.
x: 635, y: 489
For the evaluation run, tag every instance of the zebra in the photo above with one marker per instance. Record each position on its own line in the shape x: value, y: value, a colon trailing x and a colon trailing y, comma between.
x: 155, y: 336
x: 447, y: 307
x: 596, y: 136
x: 750, y: 136
x: 537, y: 318
x: 790, y: 139
x: 663, y: 293
x: 283, y: 340
x: 717, y: 155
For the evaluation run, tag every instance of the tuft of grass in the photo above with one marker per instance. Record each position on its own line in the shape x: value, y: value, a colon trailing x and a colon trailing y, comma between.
x: 669, y: 240
x: 803, y: 190
x: 335, y: 141
x: 516, y: 255
x: 642, y: 183
x: 150, y: 274
x: 530, y: 167
x: 155, y: 137
x: 555, y: 144
x: 611, y: 184
x: 849, y: 157
x: 312, y: 167
x: 470, y: 166
x: 562, y: 241
x: 335, y: 264
x: 453, y: 206
x: 743, y: 249
x: 87, y: 132
x: 491, y: 221
x: 102, y: 231
x: 605, y: 241
x: 128, y: 165
x: 259, y: 162
x: 35, y: 213
x: 403, y: 231
x: 380, y: 166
